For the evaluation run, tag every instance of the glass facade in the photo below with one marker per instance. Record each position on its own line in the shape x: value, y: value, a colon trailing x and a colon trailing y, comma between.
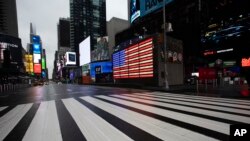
x: 87, y: 18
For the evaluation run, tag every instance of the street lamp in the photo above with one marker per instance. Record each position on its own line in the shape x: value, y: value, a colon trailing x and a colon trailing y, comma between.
x: 165, y: 30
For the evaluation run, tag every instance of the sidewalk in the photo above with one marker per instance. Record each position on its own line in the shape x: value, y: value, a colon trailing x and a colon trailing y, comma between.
x: 228, y: 91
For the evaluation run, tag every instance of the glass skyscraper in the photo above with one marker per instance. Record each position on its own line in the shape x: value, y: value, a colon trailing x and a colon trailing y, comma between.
x: 87, y: 18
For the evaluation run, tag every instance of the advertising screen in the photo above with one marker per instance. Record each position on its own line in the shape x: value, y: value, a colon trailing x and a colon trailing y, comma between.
x: 29, y: 67
x: 84, y: 51
x: 14, y: 46
x: 36, y: 39
x: 37, y: 48
x: 101, y: 53
x: 43, y: 63
x: 70, y: 58
x: 245, y: 62
x: 148, y: 6
x: 36, y: 58
x: 134, y: 10
x: 102, y: 67
x: 37, y: 68
x: 43, y: 74
x: 135, y: 61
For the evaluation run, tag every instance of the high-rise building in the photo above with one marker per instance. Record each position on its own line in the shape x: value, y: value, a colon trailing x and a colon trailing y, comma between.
x: 8, y: 17
x: 87, y: 18
x: 63, y: 37
x: 63, y: 32
x: 114, y: 26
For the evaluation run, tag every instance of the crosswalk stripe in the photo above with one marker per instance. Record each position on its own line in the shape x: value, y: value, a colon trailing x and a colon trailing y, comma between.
x: 6, y: 110
x: 163, y: 130
x: 217, y: 115
x: 10, y: 119
x: 69, y: 129
x: 19, y: 131
x: 2, y: 108
x: 198, y: 96
x: 92, y: 126
x: 204, y: 101
x: 194, y: 105
x: 130, y: 130
x: 182, y: 124
x: 45, y: 125
x: 202, y: 122
x: 212, y: 99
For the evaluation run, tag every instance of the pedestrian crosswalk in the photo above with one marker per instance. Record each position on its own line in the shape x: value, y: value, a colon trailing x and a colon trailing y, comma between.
x: 133, y: 116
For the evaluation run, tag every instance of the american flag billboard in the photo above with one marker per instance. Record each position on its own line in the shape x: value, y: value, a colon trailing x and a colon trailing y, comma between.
x: 135, y: 61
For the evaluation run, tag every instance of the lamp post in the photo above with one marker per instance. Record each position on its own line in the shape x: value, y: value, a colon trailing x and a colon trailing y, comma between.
x: 165, y: 46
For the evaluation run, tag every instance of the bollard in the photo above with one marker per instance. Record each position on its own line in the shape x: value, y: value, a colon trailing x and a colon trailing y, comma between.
x: 1, y: 88
x: 206, y: 84
x: 197, y: 86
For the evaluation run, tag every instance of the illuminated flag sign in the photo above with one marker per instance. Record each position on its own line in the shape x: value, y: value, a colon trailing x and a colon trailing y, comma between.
x: 135, y: 61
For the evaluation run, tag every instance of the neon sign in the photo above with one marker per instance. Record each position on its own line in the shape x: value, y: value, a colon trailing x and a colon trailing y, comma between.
x: 245, y: 62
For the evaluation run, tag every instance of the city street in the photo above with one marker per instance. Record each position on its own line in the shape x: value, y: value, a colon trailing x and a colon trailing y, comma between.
x: 97, y: 113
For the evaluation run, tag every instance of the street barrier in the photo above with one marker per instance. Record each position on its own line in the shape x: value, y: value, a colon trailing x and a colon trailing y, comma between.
x: 12, y: 87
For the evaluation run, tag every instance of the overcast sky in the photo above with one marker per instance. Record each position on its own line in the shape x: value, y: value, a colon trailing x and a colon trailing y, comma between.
x: 45, y: 15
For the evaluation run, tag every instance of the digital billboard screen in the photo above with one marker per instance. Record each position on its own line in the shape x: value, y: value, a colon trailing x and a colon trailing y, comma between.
x: 105, y: 67
x: 14, y: 45
x: 43, y: 63
x: 37, y: 68
x: 101, y: 53
x: 135, y: 61
x: 36, y: 58
x: 37, y: 48
x: 70, y: 58
x: 84, y: 51
x: 134, y: 10
x: 149, y: 6
x: 245, y: 62
x: 36, y: 39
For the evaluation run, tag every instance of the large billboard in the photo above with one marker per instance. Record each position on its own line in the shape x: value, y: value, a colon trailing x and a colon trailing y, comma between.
x: 29, y: 63
x: 36, y: 48
x: 100, y: 67
x: 134, y: 10
x: 84, y: 51
x: 43, y: 64
x: 13, y: 44
x: 135, y: 61
x: 35, y: 39
x: 148, y: 6
x: 37, y: 68
x: 36, y: 58
x: 101, y: 53
x: 70, y: 58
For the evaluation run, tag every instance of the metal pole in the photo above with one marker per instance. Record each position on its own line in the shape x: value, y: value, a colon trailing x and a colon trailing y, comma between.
x: 165, y: 46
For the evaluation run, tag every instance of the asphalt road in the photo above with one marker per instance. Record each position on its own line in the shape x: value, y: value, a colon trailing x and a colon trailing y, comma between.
x: 77, y: 112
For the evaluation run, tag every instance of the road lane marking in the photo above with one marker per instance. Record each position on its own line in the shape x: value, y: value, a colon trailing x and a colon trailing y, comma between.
x: 10, y: 119
x: 92, y: 126
x: 45, y: 124
x: 163, y: 130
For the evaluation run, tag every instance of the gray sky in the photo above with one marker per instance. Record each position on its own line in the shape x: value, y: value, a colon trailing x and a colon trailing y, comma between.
x: 45, y: 15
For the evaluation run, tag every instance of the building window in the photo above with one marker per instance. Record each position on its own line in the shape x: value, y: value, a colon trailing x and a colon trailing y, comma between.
x: 96, y: 2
